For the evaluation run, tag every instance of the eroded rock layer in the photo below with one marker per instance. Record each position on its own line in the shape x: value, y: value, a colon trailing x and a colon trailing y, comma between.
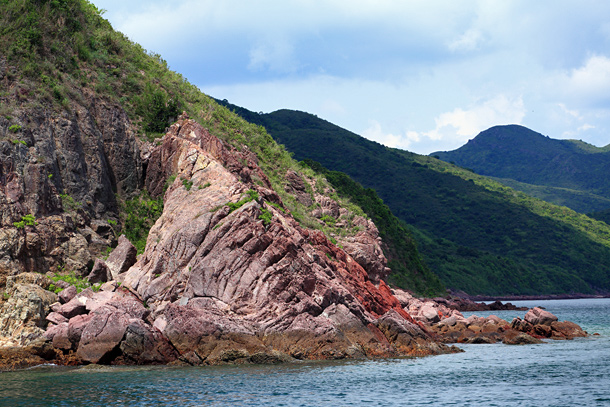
x: 229, y: 276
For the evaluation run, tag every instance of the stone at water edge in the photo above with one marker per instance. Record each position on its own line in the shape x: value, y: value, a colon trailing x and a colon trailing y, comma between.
x: 538, y: 316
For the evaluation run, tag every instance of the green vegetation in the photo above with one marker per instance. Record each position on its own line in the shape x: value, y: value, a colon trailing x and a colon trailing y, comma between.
x: 19, y: 142
x: 251, y: 196
x: 68, y: 203
x: 187, y: 183
x: 477, y: 235
x: 71, y: 278
x: 604, y: 216
x: 408, y: 270
x: 14, y: 128
x: 265, y: 216
x: 138, y: 216
x: 27, y: 220
x: 565, y: 172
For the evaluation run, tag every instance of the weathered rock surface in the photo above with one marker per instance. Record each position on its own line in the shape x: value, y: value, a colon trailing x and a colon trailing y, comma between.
x: 219, y: 280
x: 121, y: 258
x: 64, y: 172
x: 23, y: 315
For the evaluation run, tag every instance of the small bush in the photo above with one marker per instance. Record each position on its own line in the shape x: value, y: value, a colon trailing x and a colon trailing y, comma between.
x: 188, y: 184
x: 68, y: 203
x: 265, y: 216
x: 27, y: 220
x: 19, y: 142
x: 15, y: 128
x: 71, y: 278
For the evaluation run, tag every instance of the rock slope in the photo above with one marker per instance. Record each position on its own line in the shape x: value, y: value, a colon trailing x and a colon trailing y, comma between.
x: 229, y: 276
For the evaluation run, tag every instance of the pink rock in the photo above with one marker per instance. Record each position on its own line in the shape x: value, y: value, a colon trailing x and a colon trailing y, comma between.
x: 76, y: 327
x: 100, y: 272
x: 538, y: 316
x: 67, y: 294
x: 102, y: 334
x: 73, y: 308
x: 56, y: 318
x: 122, y: 257
x: 60, y: 337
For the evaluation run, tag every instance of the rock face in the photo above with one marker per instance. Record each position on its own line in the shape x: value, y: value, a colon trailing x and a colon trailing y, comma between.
x: 63, y: 169
x: 223, y: 285
x: 22, y: 316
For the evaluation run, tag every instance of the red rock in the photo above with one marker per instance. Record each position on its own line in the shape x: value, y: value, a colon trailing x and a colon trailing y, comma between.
x: 60, y: 337
x: 56, y: 318
x: 76, y: 326
x: 143, y: 344
x: 73, y: 308
x: 100, y: 273
x: 102, y: 334
x: 566, y: 330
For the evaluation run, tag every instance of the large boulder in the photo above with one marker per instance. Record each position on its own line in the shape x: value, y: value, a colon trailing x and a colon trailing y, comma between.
x: 538, y: 316
x: 23, y: 316
x: 121, y: 258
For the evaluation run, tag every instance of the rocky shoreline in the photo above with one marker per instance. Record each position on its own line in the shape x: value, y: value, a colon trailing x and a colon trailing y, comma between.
x: 229, y: 276
x: 106, y: 328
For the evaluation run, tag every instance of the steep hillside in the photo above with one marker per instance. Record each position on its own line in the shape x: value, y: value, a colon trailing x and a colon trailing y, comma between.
x: 476, y: 234
x: 81, y: 109
x: 575, y: 173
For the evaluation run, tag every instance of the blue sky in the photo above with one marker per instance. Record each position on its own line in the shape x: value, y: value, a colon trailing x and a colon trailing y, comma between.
x: 422, y: 75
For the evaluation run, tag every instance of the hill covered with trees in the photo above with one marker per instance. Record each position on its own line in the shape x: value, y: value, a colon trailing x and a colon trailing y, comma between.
x: 564, y: 172
x: 475, y: 233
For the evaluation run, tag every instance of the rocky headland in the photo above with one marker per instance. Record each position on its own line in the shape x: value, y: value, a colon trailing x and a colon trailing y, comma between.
x: 228, y: 276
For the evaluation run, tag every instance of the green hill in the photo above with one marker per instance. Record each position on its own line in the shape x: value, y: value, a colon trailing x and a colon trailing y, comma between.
x: 565, y: 172
x: 60, y: 60
x: 476, y: 234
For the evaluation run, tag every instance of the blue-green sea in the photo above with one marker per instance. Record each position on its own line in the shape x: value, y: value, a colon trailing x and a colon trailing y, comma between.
x: 556, y: 373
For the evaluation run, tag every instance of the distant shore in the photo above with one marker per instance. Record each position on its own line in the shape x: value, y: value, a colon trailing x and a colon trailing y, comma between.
x: 478, y: 298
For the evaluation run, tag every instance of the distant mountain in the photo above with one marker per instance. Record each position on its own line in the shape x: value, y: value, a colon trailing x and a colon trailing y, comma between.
x: 476, y: 234
x: 565, y: 172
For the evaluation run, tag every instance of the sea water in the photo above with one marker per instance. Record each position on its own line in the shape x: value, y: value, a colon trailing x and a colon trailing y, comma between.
x: 556, y: 373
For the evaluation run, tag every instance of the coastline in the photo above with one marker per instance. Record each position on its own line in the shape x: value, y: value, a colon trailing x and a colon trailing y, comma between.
x: 478, y: 298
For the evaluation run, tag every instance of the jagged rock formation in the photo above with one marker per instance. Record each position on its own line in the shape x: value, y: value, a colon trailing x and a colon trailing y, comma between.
x: 238, y: 278
x: 228, y: 277
x: 63, y: 169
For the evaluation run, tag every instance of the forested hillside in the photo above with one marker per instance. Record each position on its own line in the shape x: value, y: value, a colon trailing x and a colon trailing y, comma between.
x: 564, y: 172
x: 476, y: 234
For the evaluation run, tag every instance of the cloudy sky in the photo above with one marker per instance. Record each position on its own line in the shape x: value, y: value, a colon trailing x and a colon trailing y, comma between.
x: 422, y: 75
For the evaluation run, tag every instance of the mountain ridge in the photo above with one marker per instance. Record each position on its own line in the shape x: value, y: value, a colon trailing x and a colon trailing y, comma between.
x: 476, y: 234
x: 530, y: 158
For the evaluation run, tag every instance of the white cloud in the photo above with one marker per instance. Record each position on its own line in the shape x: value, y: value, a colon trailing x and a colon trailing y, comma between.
x: 275, y: 54
x: 459, y: 124
x: 376, y: 133
x: 587, y: 85
x: 469, y: 41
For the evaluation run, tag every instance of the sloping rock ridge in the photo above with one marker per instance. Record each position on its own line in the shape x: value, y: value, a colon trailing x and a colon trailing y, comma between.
x: 219, y: 282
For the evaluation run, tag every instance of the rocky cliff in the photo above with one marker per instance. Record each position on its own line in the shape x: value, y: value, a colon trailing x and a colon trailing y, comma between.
x: 229, y: 275
x: 59, y: 173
